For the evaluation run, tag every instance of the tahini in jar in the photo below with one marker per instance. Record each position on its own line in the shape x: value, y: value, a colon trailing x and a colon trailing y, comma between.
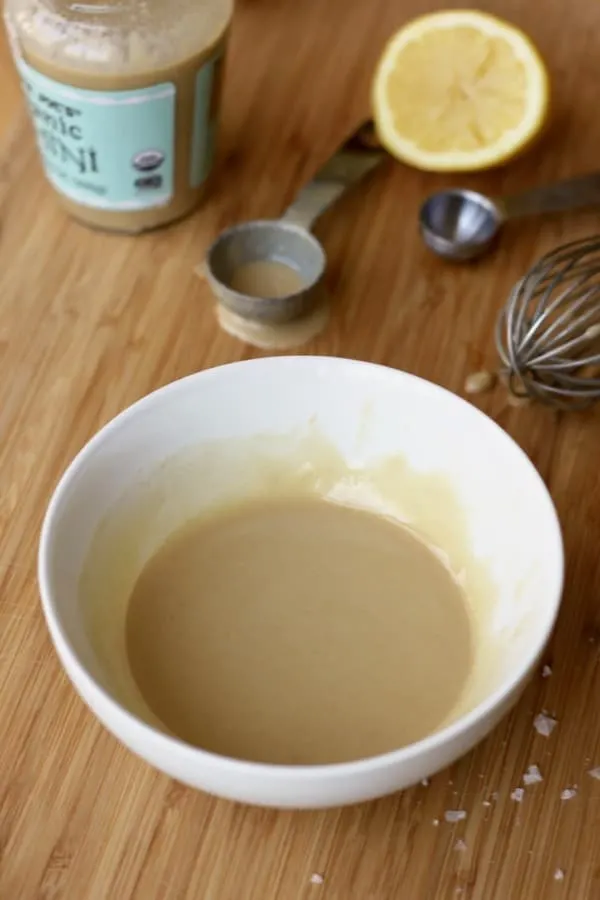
x: 124, y: 97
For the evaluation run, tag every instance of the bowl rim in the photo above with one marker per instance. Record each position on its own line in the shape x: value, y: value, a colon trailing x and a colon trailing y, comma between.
x: 169, y: 746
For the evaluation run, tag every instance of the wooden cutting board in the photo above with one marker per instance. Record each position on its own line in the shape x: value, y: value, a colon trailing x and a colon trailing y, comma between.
x: 90, y: 322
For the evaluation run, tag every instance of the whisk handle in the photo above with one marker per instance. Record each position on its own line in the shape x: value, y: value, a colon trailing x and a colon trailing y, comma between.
x: 573, y: 193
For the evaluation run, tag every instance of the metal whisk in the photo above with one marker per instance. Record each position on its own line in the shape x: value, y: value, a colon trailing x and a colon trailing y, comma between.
x: 548, y: 334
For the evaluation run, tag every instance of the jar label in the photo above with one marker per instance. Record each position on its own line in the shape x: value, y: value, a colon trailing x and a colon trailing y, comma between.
x: 206, y: 106
x: 111, y: 150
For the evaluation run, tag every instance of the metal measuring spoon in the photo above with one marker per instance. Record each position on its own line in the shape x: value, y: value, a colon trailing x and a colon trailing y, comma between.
x: 461, y: 225
x: 288, y: 240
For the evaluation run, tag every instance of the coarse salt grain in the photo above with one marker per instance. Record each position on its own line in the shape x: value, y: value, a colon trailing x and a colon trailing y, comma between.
x: 435, y: 822
x: 455, y: 815
x: 591, y: 332
x: 546, y: 672
x: 559, y: 875
x: 517, y: 795
x: 315, y: 878
x: 568, y: 793
x: 544, y: 724
x: 532, y: 776
x: 595, y: 773
x: 487, y: 803
x: 425, y: 782
x: 478, y: 382
x: 460, y: 845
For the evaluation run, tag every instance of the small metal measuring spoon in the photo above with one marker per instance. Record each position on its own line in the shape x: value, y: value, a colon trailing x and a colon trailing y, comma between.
x: 461, y: 225
x: 288, y: 240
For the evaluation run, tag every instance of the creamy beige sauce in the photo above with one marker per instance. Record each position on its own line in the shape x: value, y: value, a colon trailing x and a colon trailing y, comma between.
x: 122, y: 46
x: 267, y: 278
x: 298, y: 631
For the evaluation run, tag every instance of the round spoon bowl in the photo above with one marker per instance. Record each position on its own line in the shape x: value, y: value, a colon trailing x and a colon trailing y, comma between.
x: 266, y: 241
x: 459, y: 224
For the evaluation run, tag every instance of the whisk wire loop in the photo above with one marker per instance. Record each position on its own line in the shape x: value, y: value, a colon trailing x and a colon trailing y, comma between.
x: 548, y: 333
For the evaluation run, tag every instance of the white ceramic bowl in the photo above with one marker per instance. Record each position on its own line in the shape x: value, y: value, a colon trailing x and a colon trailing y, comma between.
x: 368, y: 412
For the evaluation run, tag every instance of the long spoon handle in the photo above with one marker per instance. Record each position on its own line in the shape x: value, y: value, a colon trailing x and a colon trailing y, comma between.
x: 349, y: 164
x: 574, y: 193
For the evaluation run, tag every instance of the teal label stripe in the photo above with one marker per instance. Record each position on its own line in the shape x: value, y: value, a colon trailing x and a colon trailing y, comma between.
x: 112, y: 150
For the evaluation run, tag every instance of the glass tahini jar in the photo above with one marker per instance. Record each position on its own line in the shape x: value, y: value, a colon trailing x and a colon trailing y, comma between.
x: 124, y: 97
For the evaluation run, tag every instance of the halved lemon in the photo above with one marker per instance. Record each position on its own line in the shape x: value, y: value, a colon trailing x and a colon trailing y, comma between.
x: 459, y: 91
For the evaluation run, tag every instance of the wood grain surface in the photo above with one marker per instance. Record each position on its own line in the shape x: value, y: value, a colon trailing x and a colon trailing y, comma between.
x: 90, y: 322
